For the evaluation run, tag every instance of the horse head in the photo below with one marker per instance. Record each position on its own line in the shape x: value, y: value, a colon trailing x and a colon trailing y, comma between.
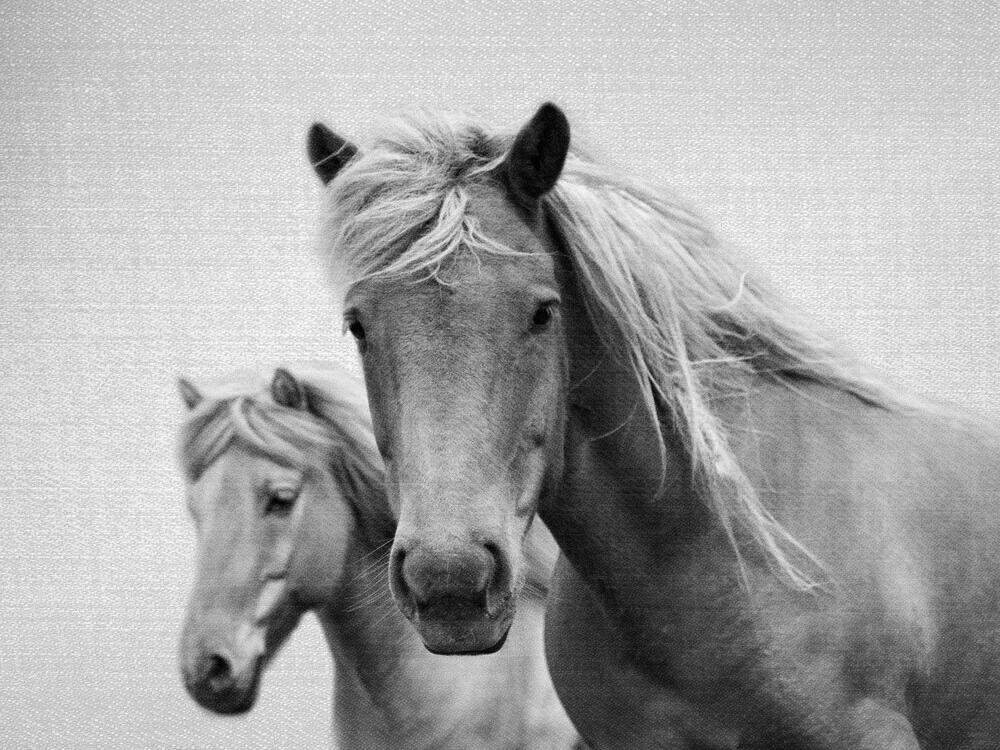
x: 273, y: 532
x: 464, y: 359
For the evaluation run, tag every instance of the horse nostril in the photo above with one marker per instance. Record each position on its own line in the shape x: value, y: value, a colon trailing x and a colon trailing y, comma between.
x: 494, y: 550
x: 500, y: 574
x: 397, y: 579
x: 429, y: 573
x: 218, y: 672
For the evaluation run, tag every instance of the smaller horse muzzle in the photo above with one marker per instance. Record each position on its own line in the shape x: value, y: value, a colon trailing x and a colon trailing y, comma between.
x: 221, y: 683
x: 459, y: 598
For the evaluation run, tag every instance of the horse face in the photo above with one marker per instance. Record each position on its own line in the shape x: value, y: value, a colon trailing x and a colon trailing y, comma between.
x: 464, y: 379
x: 271, y: 544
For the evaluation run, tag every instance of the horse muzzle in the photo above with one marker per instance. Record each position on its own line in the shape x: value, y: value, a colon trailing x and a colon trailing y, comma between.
x: 460, y: 599
x: 222, y: 684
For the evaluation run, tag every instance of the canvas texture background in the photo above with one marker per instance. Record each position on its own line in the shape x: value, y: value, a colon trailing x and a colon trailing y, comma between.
x: 157, y: 218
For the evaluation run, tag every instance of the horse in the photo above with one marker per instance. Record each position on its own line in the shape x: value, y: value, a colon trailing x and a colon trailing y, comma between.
x: 287, y: 492
x: 765, y: 543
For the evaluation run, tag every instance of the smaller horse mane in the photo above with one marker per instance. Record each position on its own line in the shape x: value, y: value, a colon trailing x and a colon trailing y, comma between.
x: 694, y: 318
x: 336, y: 428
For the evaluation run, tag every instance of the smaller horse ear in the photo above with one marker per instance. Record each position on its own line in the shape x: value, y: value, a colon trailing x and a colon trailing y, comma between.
x: 287, y: 391
x: 536, y: 159
x: 190, y: 395
x: 328, y: 152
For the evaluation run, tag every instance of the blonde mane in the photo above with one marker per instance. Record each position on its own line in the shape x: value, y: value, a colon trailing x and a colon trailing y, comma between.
x: 336, y: 432
x: 692, y: 315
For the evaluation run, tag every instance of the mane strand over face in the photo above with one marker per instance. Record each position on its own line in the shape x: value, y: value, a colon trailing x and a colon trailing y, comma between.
x: 336, y: 428
x: 691, y: 314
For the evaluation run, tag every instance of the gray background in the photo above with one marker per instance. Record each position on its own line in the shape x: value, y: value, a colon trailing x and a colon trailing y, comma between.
x: 157, y: 217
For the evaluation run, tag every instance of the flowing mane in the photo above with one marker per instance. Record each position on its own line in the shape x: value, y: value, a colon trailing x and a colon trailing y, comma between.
x: 337, y: 427
x: 694, y: 317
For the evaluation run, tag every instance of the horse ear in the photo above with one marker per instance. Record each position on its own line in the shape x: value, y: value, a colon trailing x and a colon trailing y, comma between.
x: 287, y: 391
x: 538, y: 154
x: 328, y: 152
x: 190, y: 395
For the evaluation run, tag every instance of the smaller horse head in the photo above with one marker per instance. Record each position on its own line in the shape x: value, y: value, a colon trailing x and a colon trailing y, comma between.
x: 273, y: 532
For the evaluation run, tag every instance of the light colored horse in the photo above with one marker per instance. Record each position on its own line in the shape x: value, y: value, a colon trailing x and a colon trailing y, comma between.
x: 286, y: 490
x: 765, y: 545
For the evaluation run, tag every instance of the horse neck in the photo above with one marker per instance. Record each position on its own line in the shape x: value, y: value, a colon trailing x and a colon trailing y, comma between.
x: 371, y: 646
x: 629, y: 529
x: 389, y: 691
x: 623, y: 508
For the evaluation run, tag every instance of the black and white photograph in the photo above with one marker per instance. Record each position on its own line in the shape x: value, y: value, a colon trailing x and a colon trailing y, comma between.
x: 500, y: 376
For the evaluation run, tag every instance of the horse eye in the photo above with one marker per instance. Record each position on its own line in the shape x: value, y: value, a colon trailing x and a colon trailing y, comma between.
x: 357, y: 330
x: 543, y: 315
x: 280, y: 502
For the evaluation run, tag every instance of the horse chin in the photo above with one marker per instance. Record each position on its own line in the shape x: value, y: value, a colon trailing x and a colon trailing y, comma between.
x: 451, y: 630
x: 230, y: 705
x: 479, y: 652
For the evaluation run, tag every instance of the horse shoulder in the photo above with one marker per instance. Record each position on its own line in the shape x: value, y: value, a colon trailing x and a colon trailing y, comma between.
x: 900, y: 506
x: 614, y: 702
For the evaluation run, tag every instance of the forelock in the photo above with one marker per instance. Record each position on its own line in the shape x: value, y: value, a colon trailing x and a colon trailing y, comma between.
x: 400, y: 209
x: 256, y: 424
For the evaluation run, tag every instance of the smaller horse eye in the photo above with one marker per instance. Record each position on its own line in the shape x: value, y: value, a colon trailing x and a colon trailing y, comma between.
x: 357, y: 330
x: 280, y: 502
x: 543, y: 315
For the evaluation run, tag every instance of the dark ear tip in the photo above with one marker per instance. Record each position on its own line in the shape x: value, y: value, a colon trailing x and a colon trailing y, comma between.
x: 553, y: 115
x: 538, y: 154
x: 189, y: 392
x: 319, y: 130
x: 282, y: 378
x: 286, y: 389
x: 328, y: 152
x: 320, y: 138
x: 551, y: 109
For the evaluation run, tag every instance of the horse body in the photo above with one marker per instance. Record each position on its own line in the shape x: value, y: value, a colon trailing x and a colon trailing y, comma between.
x: 902, y: 506
x: 287, y: 492
x: 764, y: 545
x: 902, y: 645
